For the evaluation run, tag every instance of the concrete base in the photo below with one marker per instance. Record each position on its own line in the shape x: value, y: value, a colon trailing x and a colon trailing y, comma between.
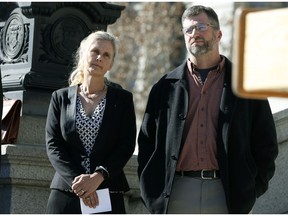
x: 25, y: 177
x: 133, y: 202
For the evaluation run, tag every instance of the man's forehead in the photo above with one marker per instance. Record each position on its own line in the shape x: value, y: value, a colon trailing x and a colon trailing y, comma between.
x: 200, y: 18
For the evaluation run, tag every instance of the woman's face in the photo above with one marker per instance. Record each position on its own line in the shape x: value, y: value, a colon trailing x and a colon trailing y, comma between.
x: 99, y: 57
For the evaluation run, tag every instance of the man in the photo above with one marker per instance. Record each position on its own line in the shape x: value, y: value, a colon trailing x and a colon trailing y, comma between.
x: 202, y: 149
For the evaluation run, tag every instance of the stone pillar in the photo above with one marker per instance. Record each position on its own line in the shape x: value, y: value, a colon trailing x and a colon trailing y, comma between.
x: 36, y: 47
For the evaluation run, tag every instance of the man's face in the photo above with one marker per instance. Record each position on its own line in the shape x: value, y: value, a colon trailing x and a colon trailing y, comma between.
x: 203, y: 38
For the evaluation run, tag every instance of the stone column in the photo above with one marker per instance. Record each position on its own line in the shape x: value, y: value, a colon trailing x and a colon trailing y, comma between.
x: 36, y: 47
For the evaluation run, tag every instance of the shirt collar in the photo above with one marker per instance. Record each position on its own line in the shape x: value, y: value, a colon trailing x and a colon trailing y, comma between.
x: 192, y: 68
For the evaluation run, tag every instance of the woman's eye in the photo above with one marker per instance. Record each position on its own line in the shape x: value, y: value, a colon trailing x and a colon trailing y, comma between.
x: 95, y: 51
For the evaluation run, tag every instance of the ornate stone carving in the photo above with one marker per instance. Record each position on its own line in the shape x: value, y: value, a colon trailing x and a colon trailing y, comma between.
x: 61, y: 39
x: 14, y: 44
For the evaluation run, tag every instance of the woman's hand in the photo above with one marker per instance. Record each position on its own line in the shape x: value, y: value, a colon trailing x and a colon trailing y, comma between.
x: 92, y: 200
x: 85, y: 187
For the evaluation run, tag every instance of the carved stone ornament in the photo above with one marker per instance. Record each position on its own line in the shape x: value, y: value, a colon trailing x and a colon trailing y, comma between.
x: 61, y: 39
x: 14, y: 45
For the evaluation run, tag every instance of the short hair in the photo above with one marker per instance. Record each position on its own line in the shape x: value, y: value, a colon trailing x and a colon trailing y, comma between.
x: 198, y: 9
x: 77, y: 74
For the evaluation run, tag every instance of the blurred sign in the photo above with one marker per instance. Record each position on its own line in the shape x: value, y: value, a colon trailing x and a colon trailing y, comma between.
x: 260, y: 53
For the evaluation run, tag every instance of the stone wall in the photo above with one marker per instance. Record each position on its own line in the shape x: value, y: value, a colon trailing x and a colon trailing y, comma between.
x: 150, y: 44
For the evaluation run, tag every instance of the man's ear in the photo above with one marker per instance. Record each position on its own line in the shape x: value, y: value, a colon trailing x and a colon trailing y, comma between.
x: 219, y: 36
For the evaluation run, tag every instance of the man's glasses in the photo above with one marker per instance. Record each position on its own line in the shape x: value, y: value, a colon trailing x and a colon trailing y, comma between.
x: 199, y: 27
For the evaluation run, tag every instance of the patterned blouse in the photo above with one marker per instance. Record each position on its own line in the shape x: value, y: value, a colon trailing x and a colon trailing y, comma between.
x: 87, y: 127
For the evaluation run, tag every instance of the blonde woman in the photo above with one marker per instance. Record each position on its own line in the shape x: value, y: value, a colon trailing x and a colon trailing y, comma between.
x: 90, y: 132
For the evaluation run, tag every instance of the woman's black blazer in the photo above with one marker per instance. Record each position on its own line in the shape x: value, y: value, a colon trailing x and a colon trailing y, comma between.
x: 113, y: 147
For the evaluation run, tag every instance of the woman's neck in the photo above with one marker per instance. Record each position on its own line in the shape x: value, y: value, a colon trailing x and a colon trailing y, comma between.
x: 92, y: 86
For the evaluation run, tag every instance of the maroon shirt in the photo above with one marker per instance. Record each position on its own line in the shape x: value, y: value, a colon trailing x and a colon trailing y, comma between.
x: 200, y: 131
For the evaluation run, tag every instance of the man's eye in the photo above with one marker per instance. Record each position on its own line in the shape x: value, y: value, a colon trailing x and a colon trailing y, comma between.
x: 189, y: 30
x: 201, y: 27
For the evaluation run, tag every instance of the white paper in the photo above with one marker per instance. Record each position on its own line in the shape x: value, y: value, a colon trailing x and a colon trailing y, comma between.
x: 104, y: 203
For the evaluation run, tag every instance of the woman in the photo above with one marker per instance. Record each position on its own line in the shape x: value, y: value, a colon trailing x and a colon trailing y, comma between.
x: 90, y: 132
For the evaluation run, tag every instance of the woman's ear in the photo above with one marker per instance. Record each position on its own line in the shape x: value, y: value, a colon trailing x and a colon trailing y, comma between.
x: 111, y: 65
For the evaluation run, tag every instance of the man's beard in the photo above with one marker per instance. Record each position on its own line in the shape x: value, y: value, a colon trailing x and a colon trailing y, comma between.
x: 199, y: 50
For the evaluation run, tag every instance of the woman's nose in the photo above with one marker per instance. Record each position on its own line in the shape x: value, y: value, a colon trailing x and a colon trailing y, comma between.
x: 98, y: 57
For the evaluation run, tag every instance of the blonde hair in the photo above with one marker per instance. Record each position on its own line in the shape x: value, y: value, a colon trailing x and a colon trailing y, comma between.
x: 77, y: 75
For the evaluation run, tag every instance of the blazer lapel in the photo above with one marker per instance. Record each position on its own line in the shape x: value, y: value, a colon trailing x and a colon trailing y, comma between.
x: 71, y: 118
x: 107, y: 118
x: 71, y: 110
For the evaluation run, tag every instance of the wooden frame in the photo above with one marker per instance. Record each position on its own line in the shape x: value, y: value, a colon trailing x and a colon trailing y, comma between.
x: 260, y: 53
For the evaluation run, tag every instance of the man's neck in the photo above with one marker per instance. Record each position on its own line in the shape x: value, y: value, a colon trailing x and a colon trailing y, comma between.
x: 205, y: 61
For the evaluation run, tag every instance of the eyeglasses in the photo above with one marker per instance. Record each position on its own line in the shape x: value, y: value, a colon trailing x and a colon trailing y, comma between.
x: 199, y: 27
